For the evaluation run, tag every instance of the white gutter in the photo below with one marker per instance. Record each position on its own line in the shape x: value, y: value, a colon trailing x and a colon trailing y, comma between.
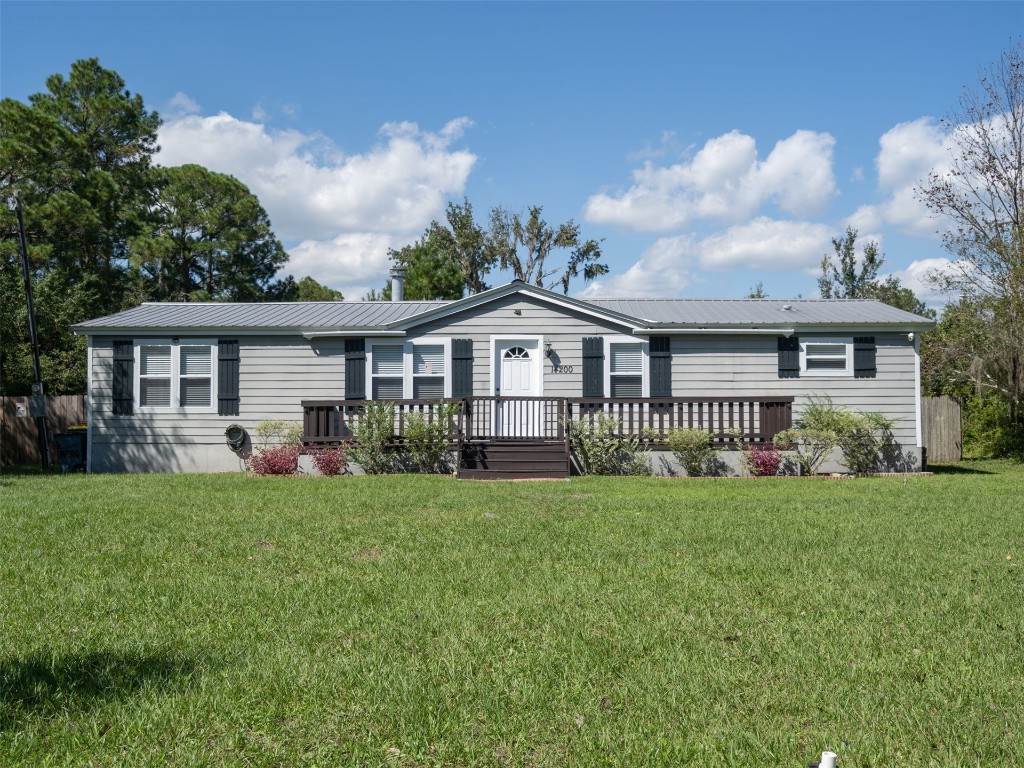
x: 706, y: 331
x: 917, y: 390
x: 90, y: 425
x: 352, y: 334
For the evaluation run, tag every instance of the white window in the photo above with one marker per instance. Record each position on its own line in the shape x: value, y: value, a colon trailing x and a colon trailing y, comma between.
x: 428, y: 367
x: 175, y: 376
x: 387, y: 376
x: 826, y: 357
x: 417, y: 370
x: 627, y: 368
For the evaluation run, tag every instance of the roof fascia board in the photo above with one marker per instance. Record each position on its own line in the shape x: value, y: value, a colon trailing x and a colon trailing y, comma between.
x: 350, y: 333
x: 225, y: 330
x: 714, y: 331
x: 795, y: 328
x: 550, y: 297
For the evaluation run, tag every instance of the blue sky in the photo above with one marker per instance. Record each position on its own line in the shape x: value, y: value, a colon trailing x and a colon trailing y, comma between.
x: 712, y: 146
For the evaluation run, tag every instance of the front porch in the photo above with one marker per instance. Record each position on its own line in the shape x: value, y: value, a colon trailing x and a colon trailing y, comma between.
x: 500, y: 436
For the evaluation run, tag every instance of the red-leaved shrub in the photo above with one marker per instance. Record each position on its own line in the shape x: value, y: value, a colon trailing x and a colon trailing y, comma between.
x: 330, y: 461
x: 280, y: 460
x: 763, y: 460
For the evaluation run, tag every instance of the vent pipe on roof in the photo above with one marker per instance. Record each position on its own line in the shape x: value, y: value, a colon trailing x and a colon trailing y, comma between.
x: 398, y: 283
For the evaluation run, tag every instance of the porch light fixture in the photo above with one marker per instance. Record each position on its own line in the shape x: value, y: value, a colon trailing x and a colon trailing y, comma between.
x: 548, y: 351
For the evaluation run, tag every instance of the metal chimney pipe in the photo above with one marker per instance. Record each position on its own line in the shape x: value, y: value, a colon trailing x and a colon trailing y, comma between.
x: 398, y: 283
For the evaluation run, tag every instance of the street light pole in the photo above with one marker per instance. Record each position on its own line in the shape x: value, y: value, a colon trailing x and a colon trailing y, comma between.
x: 37, y: 383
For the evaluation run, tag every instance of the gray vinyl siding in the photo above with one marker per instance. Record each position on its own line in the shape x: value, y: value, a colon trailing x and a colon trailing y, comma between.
x: 278, y: 372
x: 564, y: 328
x: 702, y: 366
x: 747, y: 366
x: 275, y: 374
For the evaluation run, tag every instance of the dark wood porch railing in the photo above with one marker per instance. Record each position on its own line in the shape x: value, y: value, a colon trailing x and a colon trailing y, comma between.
x: 731, y: 421
x: 329, y: 422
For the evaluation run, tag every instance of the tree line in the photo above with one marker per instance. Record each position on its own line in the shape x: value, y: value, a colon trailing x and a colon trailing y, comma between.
x: 109, y: 229
x: 454, y: 257
x: 977, y: 350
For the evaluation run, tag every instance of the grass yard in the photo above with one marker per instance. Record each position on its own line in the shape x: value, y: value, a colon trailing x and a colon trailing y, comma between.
x: 420, y: 621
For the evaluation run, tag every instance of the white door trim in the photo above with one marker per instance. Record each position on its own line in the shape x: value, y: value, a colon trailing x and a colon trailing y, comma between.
x: 496, y: 364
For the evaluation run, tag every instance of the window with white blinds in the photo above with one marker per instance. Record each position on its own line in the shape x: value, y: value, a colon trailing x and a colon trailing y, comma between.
x: 413, y: 370
x: 388, y: 372
x: 155, y: 376
x: 827, y: 357
x: 428, y: 371
x: 626, y: 370
x: 174, y: 376
x: 196, y: 374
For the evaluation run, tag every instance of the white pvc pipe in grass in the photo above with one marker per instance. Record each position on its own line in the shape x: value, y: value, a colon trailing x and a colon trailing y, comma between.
x: 828, y: 760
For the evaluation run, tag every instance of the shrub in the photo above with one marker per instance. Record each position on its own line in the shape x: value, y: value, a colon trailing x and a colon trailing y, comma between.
x: 278, y: 432
x: 824, y: 425
x: 600, y: 449
x: 330, y: 461
x: 426, y: 441
x: 988, y: 431
x: 812, y: 446
x: 375, y: 434
x: 762, y: 459
x: 279, y: 460
x: 692, y: 449
x: 863, y: 439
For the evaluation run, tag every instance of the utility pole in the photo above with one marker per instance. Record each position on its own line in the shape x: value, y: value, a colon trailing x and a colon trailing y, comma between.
x: 37, y: 404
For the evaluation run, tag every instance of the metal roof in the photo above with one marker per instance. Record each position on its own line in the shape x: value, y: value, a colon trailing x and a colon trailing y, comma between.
x: 275, y: 315
x: 383, y: 315
x: 747, y: 312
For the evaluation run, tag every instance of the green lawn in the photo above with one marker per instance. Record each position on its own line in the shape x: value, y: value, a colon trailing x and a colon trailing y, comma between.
x: 421, y: 621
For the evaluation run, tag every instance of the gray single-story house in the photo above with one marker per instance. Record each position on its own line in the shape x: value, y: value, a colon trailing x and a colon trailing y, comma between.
x: 167, y: 379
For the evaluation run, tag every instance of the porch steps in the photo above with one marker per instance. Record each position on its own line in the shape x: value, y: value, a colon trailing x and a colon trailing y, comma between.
x: 511, y: 460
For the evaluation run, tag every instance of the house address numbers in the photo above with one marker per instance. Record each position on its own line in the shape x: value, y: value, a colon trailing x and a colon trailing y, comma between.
x: 561, y: 369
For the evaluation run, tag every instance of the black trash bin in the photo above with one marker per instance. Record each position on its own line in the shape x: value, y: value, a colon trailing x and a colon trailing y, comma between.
x: 71, y: 450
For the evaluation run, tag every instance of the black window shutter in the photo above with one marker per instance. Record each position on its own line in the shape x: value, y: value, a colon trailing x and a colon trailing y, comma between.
x: 661, y: 366
x: 355, y: 369
x: 593, y: 366
x: 789, y: 357
x: 864, y: 357
x: 462, y: 367
x: 124, y: 376
x: 227, y: 377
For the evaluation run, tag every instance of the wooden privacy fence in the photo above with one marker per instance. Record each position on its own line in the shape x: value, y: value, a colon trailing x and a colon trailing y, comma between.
x: 18, y: 437
x: 941, y: 428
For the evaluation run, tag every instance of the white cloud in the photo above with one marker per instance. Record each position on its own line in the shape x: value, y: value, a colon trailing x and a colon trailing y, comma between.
x: 180, y: 103
x: 724, y: 181
x: 908, y: 152
x: 351, y: 260
x: 916, y: 278
x: 346, y: 208
x: 311, y: 189
x: 670, y: 264
x: 766, y: 244
x: 664, y: 270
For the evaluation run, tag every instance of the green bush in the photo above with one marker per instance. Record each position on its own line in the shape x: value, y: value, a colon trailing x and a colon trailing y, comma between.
x: 824, y: 425
x: 601, y: 450
x: 812, y: 446
x: 278, y: 432
x: 426, y: 446
x: 988, y: 432
x: 375, y: 436
x: 692, y: 449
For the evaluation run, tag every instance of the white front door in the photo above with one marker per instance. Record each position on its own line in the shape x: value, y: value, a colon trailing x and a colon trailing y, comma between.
x: 517, y: 367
